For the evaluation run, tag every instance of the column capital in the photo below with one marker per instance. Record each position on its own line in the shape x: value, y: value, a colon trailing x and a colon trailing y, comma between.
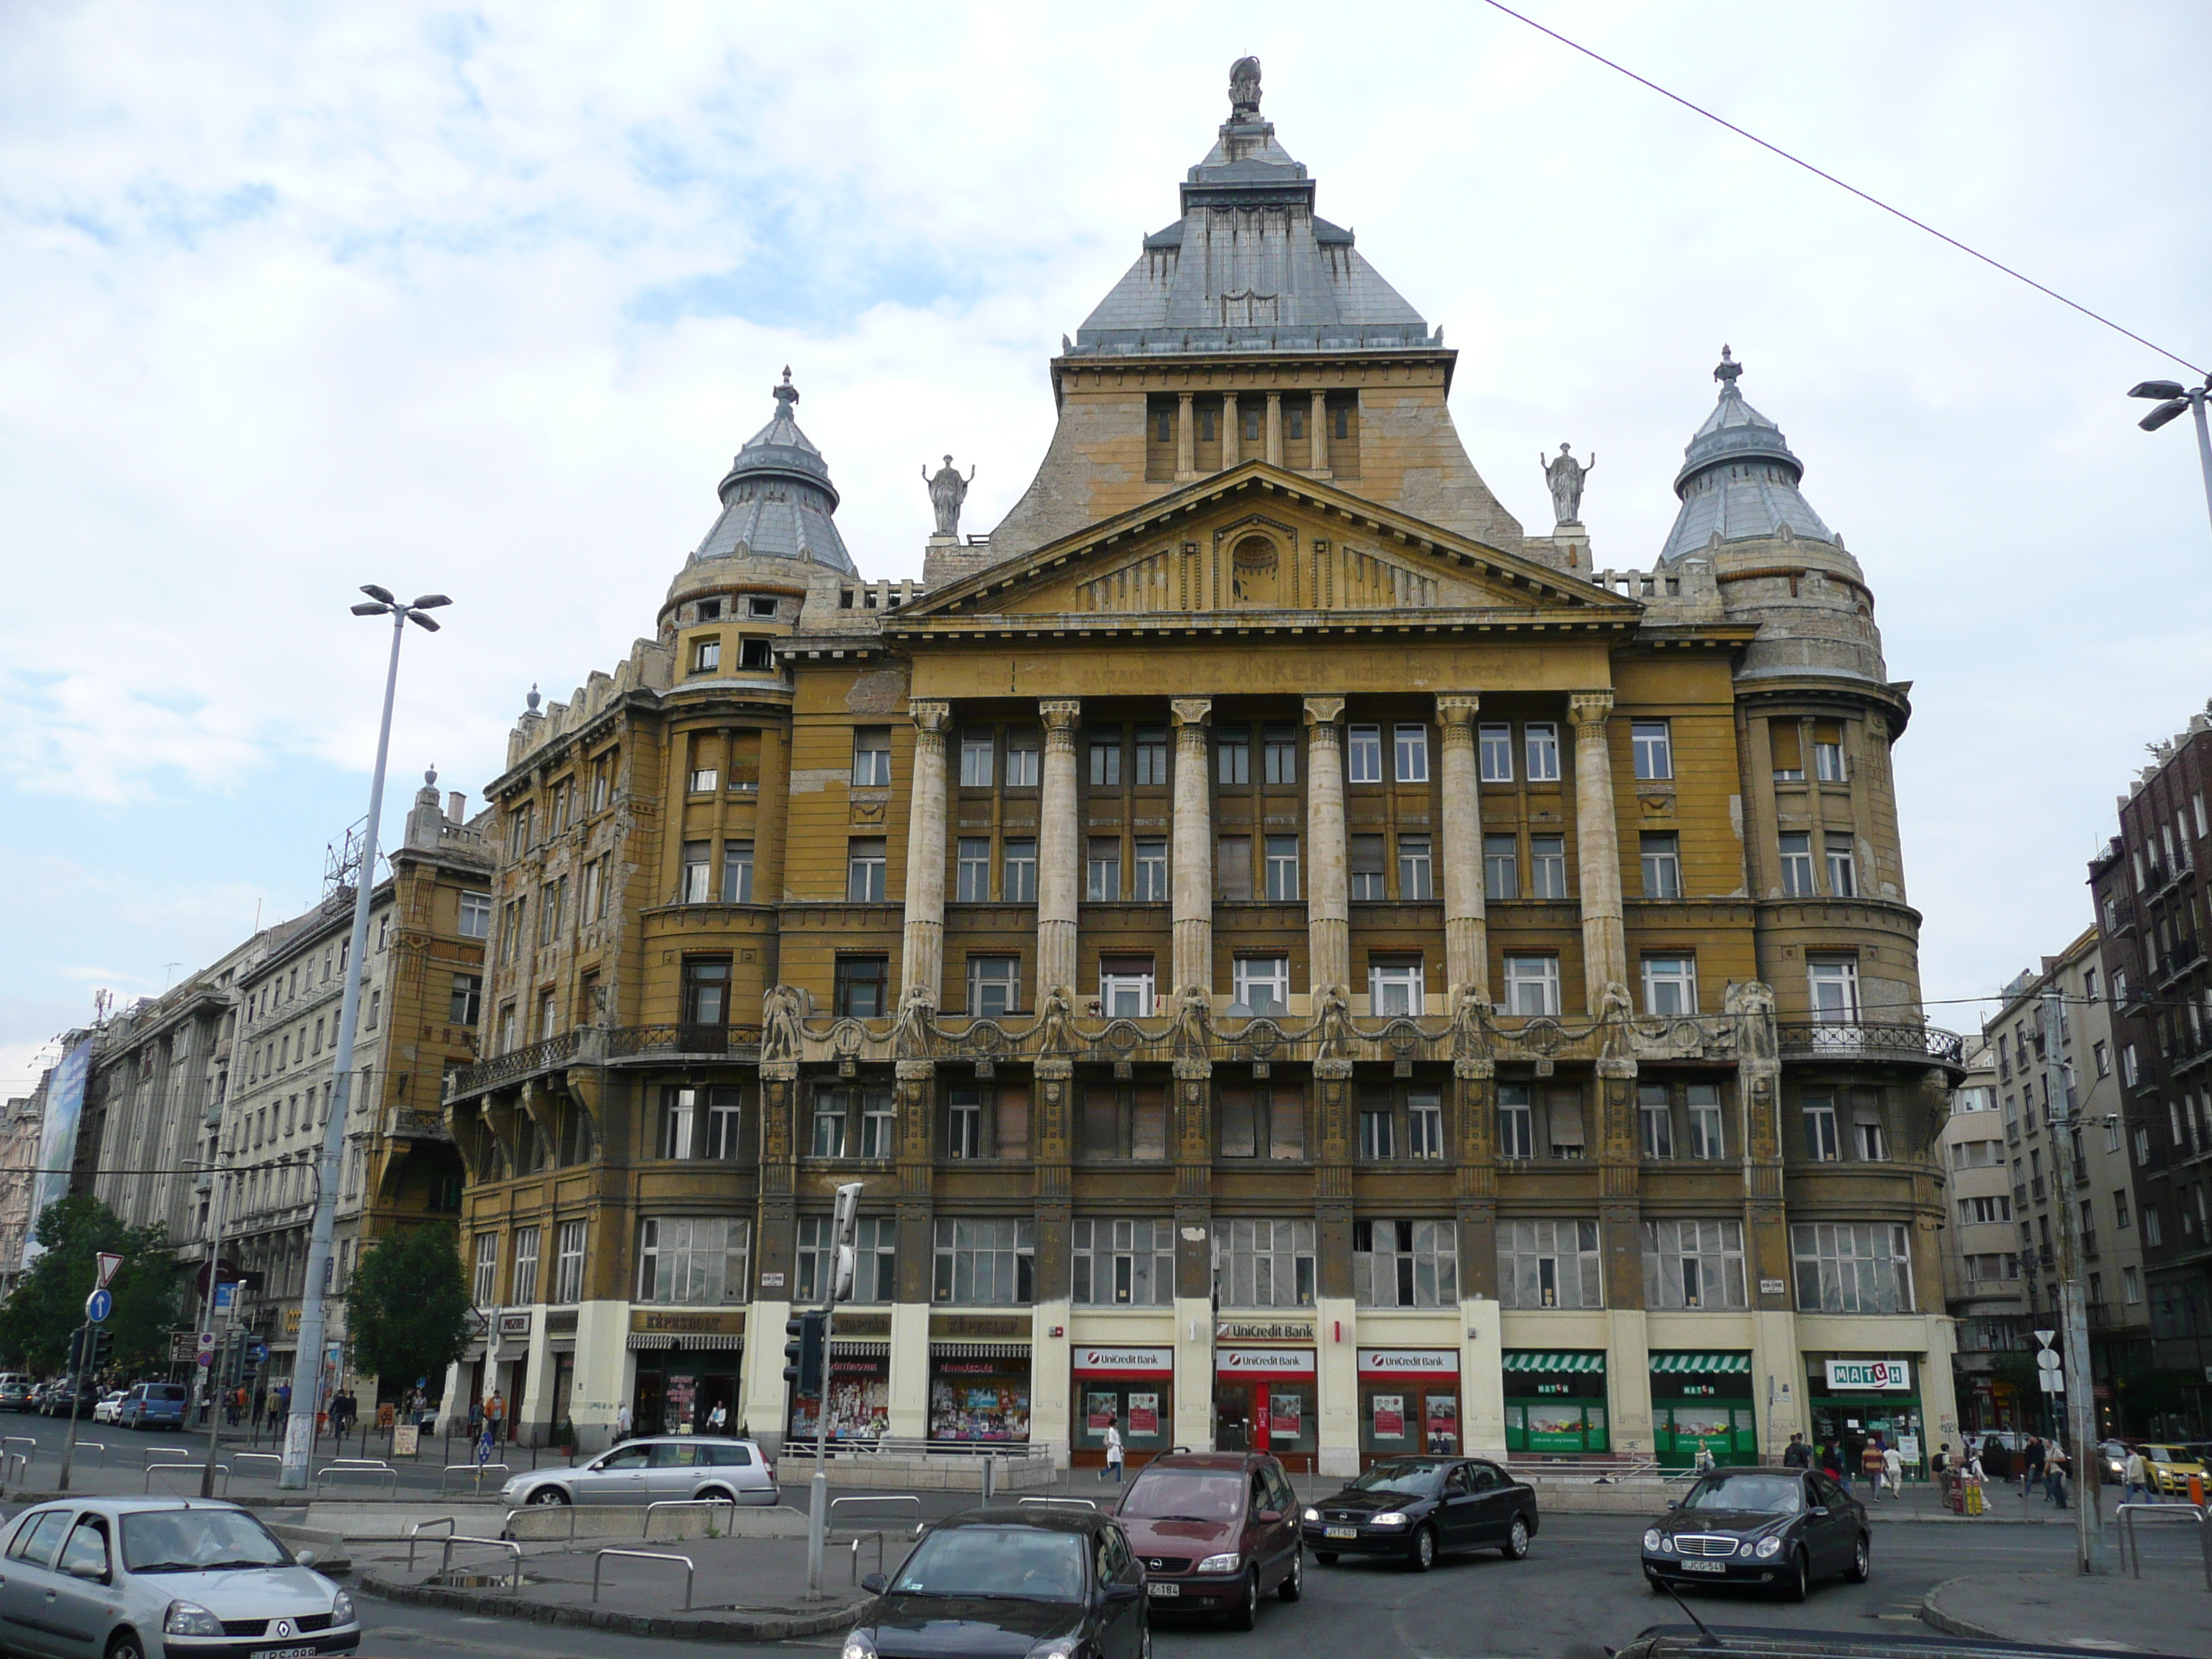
x: 1589, y: 707
x: 1060, y: 714
x: 1457, y: 708
x: 1324, y: 711
x: 930, y: 714
x: 1191, y: 711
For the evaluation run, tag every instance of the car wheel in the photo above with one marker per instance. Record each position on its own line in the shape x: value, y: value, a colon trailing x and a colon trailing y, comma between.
x: 1247, y: 1610
x: 1294, y: 1584
x: 1326, y: 1557
x: 125, y: 1644
x: 713, y: 1495
x: 1515, y: 1548
x: 1800, y: 1579
x: 1423, y: 1555
x: 548, y: 1494
x: 1861, y: 1561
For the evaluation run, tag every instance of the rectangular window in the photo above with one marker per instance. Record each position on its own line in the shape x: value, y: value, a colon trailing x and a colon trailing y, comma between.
x: 983, y: 1264
x: 706, y: 655
x: 725, y: 1117
x: 595, y: 893
x: 1233, y: 867
x: 1283, y: 869
x: 994, y: 986
x: 1843, y: 870
x: 862, y: 987
x: 1706, y: 1136
x: 1395, y: 986
x: 484, y: 1288
x: 1532, y: 985
x: 1122, y: 1263
x: 1102, y: 870
x: 1547, y: 866
x: 1828, y: 750
x: 866, y: 866
x: 755, y: 653
x: 832, y: 1108
x: 1124, y: 987
x: 524, y: 1290
x: 2120, y: 1209
x: 1367, y: 877
x: 1281, y: 746
x: 1405, y: 1264
x: 1785, y: 741
x: 476, y: 916
x: 603, y: 771
x: 1516, y: 1122
x: 1693, y: 1264
x: 1411, y: 748
x: 1363, y: 754
x: 1232, y: 750
x: 1653, y: 744
x: 1496, y: 743
x: 1797, y: 863
x: 1151, y: 870
x: 1540, y: 739
x: 1822, y: 1143
x: 872, y: 757
x: 1416, y: 872
x: 1655, y: 1115
x: 1834, y: 987
x: 466, y: 1003
x: 1106, y: 760
x: 1263, y: 983
x: 698, y: 877
x: 692, y: 1259
x: 1017, y: 873
x: 976, y: 753
x: 737, y: 873
x: 877, y: 1120
x: 1670, y: 986
x: 1662, y: 865
x: 1022, y: 767
x: 1424, y: 1124
x: 705, y: 780
x: 1873, y: 1146
x: 679, y: 1114
x: 1501, y: 867
x: 1376, y: 1122
x: 1151, y: 757
x: 705, y: 990
x: 972, y: 871
x: 1264, y: 1264
x: 568, y: 1263
x: 1852, y: 1268
x: 964, y: 1120
x: 1548, y: 1264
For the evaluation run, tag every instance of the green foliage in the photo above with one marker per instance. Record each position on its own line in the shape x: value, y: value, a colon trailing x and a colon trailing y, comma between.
x: 150, y: 1290
x: 2017, y: 1367
x: 407, y: 1307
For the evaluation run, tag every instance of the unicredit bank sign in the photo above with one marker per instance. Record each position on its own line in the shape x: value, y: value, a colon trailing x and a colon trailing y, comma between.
x: 1124, y: 1360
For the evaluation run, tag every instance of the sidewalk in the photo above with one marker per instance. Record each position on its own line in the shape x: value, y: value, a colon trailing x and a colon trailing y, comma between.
x: 2168, y: 1610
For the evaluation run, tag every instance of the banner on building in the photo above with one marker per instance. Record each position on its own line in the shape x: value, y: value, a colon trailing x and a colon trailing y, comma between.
x: 57, y: 1139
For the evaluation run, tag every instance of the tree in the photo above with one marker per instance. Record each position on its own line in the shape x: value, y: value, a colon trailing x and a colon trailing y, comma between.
x: 407, y: 1307
x: 148, y: 1288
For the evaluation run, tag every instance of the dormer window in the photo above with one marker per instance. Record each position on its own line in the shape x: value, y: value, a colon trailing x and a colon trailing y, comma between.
x: 761, y: 604
x: 710, y: 610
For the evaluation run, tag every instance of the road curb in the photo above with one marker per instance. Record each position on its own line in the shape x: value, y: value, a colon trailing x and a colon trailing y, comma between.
x: 765, y: 1627
x: 1950, y: 1624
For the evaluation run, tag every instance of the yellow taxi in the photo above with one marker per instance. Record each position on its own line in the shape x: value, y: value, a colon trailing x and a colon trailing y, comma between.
x: 2170, y: 1467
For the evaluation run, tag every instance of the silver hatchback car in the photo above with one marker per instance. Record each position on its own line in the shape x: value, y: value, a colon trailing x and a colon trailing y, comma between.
x: 157, y: 1577
x: 670, y: 1469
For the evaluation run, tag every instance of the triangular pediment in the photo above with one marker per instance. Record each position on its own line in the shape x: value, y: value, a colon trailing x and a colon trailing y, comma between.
x: 1258, y: 546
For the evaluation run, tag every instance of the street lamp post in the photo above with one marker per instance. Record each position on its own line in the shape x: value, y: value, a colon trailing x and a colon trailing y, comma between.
x: 300, y: 1430
x: 2176, y: 397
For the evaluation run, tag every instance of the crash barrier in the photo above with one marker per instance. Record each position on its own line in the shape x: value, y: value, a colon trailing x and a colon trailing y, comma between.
x: 152, y: 1469
x: 448, y: 1522
x: 599, y: 1560
x: 479, y: 1470
x: 446, y: 1554
x: 2131, y: 1548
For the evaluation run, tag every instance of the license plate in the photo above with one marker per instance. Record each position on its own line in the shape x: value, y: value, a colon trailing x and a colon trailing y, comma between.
x: 1686, y: 1567
x: 1339, y: 1531
x: 308, y: 1652
x: 1150, y: 1590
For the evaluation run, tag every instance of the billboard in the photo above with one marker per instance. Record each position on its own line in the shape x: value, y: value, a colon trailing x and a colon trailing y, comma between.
x: 57, y: 1138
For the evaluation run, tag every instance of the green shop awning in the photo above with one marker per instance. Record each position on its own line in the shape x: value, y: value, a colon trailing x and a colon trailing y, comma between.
x: 1732, y: 1365
x: 1534, y: 1359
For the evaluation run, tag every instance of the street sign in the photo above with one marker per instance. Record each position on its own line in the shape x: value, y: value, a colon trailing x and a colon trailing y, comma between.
x: 107, y: 1263
x: 2053, y: 1382
x: 99, y: 1305
x: 2046, y: 1360
x: 259, y: 1354
x: 225, y: 1294
x: 2044, y: 1337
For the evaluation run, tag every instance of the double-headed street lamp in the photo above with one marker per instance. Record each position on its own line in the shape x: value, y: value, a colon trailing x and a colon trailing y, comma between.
x: 300, y: 1430
x: 2176, y: 397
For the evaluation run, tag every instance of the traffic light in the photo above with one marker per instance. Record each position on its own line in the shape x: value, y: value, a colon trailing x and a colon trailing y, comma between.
x: 803, y: 1353
x: 77, y: 1351
x: 848, y: 1211
x: 103, y: 1347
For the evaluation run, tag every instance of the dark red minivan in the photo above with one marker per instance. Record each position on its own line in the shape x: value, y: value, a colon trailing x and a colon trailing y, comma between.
x: 1215, y: 1531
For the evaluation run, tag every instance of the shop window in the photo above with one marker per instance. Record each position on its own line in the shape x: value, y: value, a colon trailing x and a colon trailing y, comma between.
x: 1122, y: 1264
x: 1405, y: 1264
x: 985, y: 1263
x: 1852, y: 1266
x: 1693, y: 1264
x: 1264, y: 1264
x: 692, y: 1259
x: 1548, y: 1264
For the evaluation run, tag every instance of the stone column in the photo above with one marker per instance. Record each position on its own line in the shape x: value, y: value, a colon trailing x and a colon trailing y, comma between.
x: 1058, y: 852
x: 1328, y: 905
x: 1190, y: 871
x: 1318, y: 455
x: 1232, y: 432
x: 1467, y: 950
x: 1597, y: 842
x: 1186, y: 438
x: 921, y: 952
x: 1274, y: 428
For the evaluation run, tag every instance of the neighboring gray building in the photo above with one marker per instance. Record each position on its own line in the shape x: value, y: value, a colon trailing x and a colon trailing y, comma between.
x: 1981, y: 1282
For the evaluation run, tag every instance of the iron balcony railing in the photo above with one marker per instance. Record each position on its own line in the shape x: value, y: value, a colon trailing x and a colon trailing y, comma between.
x: 521, y: 1062
x: 1838, y: 1040
x: 634, y: 1042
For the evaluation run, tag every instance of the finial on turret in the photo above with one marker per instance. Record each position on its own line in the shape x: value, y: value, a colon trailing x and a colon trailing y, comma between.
x: 430, y: 777
x: 786, y: 394
x: 533, y: 699
x: 1728, y: 369
x: 1245, y: 89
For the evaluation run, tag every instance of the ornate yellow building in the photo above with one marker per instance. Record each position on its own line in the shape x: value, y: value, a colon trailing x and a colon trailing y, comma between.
x: 1295, y: 959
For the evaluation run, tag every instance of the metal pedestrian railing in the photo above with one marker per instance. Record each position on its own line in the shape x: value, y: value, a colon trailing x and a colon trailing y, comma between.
x: 1087, y: 1503
x: 646, y: 1530
x: 599, y: 1560
x: 278, y: 1458
x: 479, y: 1470
x: 2131, y: 1546
x: 152, y: 1469
x: 508, y: 1525
x: 446, y: 1553
x: 373, y: 1468
x: 835, y: 1503
x: 445, y: 1520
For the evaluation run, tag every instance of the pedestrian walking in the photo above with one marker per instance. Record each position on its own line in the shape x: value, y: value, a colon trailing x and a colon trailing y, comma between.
x: 1797, y: 1455
x: 1702, y: 1462
x: 495, y: 1414
x: 1892, y: 1467
x: 1874, y: 1466
x: 2031, y: 1466
x: 718, y: 1421
x: 2136, y: 1475
x: 2054, y: 1477
x: 621, y: 1422
x: 1114, y: 1454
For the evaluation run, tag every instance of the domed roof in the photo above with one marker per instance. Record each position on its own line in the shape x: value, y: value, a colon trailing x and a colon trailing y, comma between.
x: 777, y: 499
x: 1739, y: 478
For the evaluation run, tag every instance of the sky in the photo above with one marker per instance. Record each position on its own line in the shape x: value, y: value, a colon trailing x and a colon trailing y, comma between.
x: 482, y: 299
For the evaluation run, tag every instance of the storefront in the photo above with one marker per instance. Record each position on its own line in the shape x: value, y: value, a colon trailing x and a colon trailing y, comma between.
x: 1264, y: 1400
x: 859, y: 1394
x: 1408, y: 1402
x: 561, y: 1354
x: 1133, y: 1389
x: 687, y: 1369
x: 1701, y: 1401
x: 1856, y: 1398
x: 979, y: 1377
x: 1555, y: 1401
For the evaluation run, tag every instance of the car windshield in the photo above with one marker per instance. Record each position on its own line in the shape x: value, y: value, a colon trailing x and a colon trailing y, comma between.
x: 2159, y: 1453
x: 197, y: 1541
x: 1185, y: 1495
x: 1761, y: 1494
x: 1415, y: 1479
x: 1023, y: 1563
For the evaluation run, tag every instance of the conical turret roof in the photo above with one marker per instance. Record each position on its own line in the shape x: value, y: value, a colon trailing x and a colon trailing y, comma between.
x: 1739, y: 478
x: 777, y: 499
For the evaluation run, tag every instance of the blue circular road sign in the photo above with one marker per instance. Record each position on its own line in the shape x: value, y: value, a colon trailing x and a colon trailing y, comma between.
x: 258, y: 1352
x: 99, y: 1305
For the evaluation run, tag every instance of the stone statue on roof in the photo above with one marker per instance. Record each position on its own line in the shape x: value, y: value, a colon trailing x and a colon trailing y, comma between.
x: 947, y: 489
x: 1565, y: 474
x: 1245, y: 89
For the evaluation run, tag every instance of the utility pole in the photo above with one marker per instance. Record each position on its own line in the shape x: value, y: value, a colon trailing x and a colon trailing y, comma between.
x: 840, y: 1287
x: 2074, y: 1322
x: 207, y: 1375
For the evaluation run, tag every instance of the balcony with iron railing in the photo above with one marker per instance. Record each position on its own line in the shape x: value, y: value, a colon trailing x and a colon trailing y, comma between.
x: 596, y: 1045
x: 2188, y: 951
x: 1888, y: 1043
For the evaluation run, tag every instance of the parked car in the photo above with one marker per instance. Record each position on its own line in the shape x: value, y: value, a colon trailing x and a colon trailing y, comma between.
x: 1782, y: 1528
x: 1010, y: 1580
x: 701, y: 1468
x: 57, y: 1399
x: 133, y: 1576
x: 2169, y: 1468
x: 109, y: 1405
x: 154, y: 1405
x: 1216, y: 1531
x: 16, y: 1392
x: 1420, y: 1508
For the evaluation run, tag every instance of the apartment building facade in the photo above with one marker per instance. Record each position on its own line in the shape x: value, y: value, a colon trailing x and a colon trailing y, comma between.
x: 1981, y: 1282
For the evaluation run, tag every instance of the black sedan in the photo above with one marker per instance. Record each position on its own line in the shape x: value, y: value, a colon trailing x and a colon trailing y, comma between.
x: 1420, y: 1508
x: 1779, y: 1528
x: 1010, y: 1583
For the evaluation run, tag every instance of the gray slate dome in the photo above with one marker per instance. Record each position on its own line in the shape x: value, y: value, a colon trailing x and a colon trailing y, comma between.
x: 777, y: 499
x: 1739, y: 478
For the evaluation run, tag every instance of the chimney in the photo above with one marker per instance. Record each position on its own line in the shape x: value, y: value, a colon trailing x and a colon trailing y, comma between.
x: 457, y: 806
